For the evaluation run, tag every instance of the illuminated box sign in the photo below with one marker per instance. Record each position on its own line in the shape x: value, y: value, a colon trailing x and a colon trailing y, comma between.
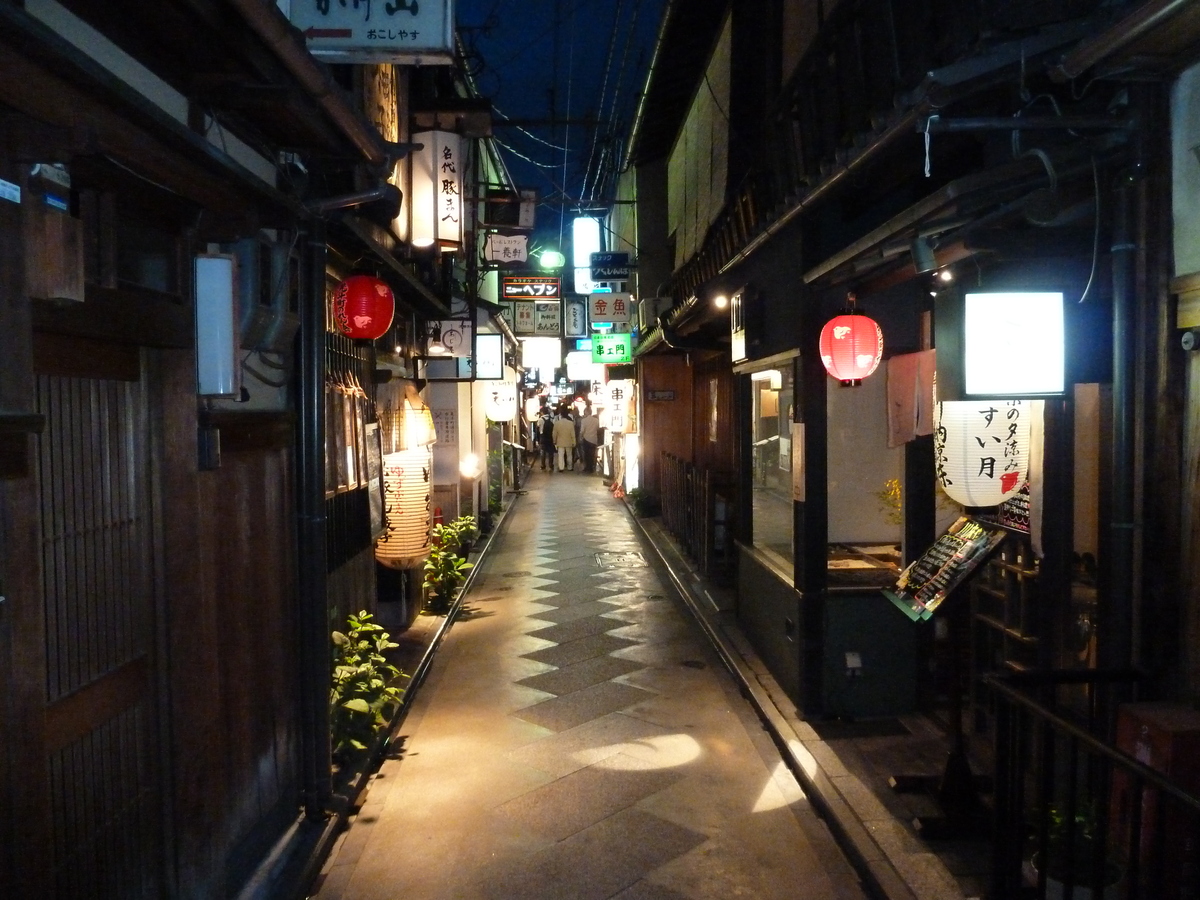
x: 610, y: 266
x: 611, y: 308
x: 547, y: 319
x: 530, y: 287
x: 416, y: 32
x: 612, y: 348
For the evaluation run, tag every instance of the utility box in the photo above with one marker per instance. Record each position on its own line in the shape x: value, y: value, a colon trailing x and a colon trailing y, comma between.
x: 870, y: 657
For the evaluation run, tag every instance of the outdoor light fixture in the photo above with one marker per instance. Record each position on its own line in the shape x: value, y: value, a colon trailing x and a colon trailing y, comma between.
x: 851, y: 345
x: 720, y: 301
x: 585, y: 240
x: 434, y: 346
x: 922, y: 255
x: 363, y: 307
x: 436, y: 202
x: 552, y: 259
x: 469, y: 466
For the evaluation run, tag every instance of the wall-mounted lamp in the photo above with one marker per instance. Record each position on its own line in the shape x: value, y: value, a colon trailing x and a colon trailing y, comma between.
x: 434, y: 345
x: 720, y: 301
x: 922, y: 255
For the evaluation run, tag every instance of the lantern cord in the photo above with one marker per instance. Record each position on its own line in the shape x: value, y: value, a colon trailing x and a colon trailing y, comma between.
x: 927, y: 142
x: 1095, y: 231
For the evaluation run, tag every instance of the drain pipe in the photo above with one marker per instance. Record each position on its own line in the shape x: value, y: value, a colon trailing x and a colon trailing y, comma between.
x: 311, y: 577
x: 1117, y: 647
x: 279, y: 34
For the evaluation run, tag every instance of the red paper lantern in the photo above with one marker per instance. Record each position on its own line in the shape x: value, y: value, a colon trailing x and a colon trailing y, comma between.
x: 363, y: 307
x: 851, y: 347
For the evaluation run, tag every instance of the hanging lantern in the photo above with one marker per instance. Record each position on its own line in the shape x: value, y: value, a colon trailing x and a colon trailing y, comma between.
x: 982, y: 449
x: 851, y: 346
x: 407, y: 499
x: 436, y: 203
x: 363, y: 307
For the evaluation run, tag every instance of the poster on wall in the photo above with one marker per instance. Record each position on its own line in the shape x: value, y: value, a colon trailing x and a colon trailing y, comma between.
x: 928, y: 580
x: 798, y: 462
x: 374, y: 465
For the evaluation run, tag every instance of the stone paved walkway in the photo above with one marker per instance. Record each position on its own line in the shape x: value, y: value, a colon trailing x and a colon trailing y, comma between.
x: 577, y: 738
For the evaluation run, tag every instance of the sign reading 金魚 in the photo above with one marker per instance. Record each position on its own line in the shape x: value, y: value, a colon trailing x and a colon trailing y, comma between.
x: 612, y: 348
x: 614, y: 308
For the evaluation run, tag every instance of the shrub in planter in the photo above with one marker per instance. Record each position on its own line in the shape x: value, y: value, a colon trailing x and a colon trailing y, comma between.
x: 1072, y: 854
x: 643, y: 502
x: 446, y: 567
x: 363, y: 693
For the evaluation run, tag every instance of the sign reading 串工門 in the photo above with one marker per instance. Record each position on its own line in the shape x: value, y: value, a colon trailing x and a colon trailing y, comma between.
x: 417, y: 32
x: 612, y: 348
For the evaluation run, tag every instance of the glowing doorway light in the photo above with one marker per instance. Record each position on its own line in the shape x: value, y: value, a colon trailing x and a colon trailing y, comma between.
x: 585, y: 240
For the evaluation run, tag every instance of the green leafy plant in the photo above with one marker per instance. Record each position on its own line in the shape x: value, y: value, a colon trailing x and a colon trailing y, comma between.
x: 889, y: 501
x: 1073, y: 852
x: 643, y: 502
x: 446, y: 568
x: 363, y: 692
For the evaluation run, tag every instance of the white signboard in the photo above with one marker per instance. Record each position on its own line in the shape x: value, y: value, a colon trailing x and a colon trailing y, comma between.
x: 489, y: 356
x: 417, y: 32
x: 575, y: 320
x: 507, y: 248
x: 523, y: 317
x: 547, y: 319
x: 611, y: 308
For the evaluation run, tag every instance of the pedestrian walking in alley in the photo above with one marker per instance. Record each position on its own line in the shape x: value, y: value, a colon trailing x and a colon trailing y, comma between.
x: 545, y: 438
x: 564, y: 440
x: 589, y: 438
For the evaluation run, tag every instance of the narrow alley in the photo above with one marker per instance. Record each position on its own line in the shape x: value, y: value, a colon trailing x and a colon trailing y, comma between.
x: 578, y: 738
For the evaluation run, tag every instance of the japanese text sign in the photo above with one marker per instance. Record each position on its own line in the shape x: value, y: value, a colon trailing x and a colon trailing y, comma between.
x: 612, y: 308
x: 507, y: 248
x: 612, y: 348
x: 401, y: 31
x: 530, y: 287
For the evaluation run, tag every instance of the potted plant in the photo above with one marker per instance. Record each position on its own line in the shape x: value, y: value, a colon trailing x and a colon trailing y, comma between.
x: 1073, y: 853
x: 364, y: 690
x: 445, y: 568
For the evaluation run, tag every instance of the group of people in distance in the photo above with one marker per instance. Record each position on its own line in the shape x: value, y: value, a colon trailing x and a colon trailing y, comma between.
x: 562, y: 437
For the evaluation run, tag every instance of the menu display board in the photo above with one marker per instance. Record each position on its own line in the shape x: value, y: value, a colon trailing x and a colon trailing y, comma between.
x: 927, y: 581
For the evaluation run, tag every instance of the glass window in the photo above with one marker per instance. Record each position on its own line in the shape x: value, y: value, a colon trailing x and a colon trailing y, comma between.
x: 772, y: 398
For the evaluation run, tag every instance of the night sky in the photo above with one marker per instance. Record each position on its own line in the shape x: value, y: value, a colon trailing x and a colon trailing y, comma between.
x: 545, y: 65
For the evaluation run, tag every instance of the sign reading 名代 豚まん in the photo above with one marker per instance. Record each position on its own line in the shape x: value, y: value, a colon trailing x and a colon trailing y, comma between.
x: 416, y: 32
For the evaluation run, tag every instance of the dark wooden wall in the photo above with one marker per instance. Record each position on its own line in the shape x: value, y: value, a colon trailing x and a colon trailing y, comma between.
x: 666, y: 425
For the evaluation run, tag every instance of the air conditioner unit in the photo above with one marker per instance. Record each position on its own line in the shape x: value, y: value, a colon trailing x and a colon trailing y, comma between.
x: 267, y: 276
x: 649, y: 309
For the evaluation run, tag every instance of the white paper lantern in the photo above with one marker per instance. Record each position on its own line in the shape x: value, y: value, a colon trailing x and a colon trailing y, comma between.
x: 407, y: 497
x: 982, y: 449
x: 500, y: 401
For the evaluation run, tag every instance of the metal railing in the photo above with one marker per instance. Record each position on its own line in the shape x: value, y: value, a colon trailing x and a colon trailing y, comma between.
x: 1075, y: 790
x: 695, y: 514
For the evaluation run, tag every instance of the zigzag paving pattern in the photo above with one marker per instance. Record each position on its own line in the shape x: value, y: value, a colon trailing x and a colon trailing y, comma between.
x: 576, y: 738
